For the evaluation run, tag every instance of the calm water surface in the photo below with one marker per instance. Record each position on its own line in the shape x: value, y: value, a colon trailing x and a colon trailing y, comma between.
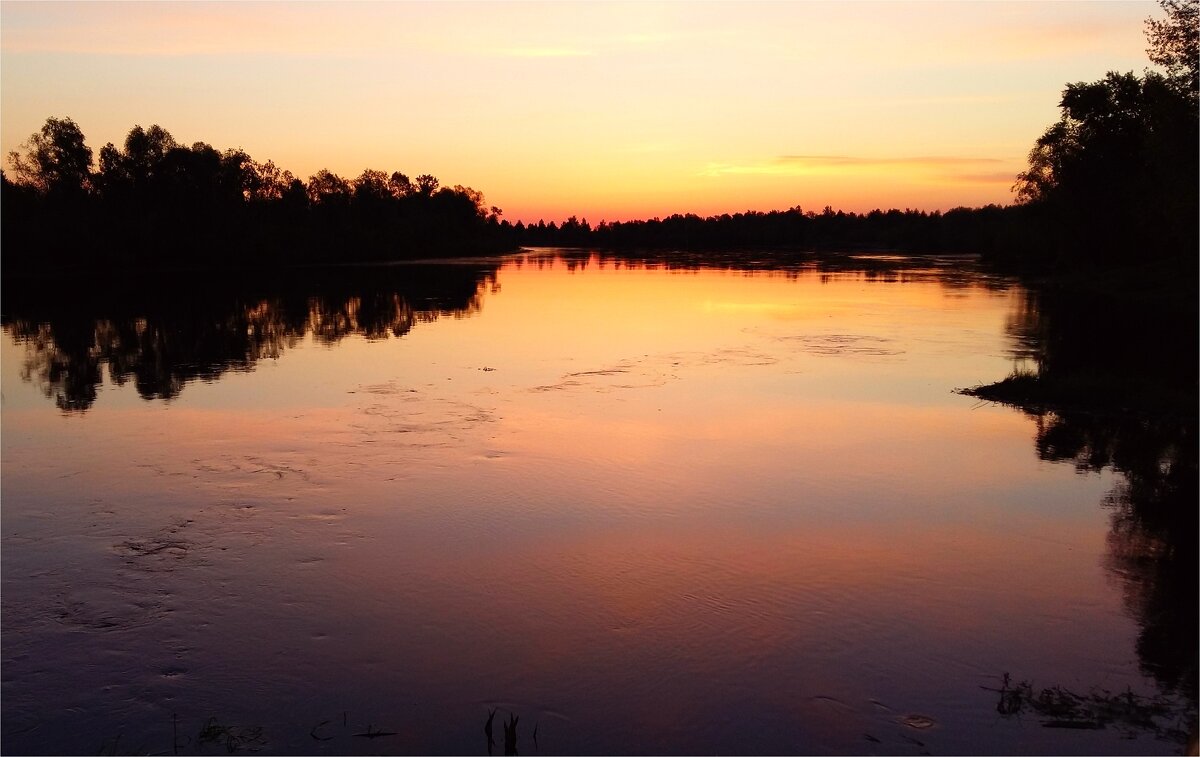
x: 644, y: 509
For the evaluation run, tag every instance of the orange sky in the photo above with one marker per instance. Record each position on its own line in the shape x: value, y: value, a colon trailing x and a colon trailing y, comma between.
x: 605, y: 110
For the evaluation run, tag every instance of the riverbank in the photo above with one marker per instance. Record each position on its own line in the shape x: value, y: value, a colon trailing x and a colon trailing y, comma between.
x: 1118, y: 341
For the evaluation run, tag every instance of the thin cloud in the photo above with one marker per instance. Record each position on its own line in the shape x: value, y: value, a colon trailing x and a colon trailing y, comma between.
x: 650, y: 38
x: 545, y: 52
x: 937, y: 161
x: 801, y: 165
x: 940, y: 169
x: 997, y: 177
x: 647, y: 148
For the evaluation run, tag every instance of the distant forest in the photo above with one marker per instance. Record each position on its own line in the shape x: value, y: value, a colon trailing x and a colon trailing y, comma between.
x: 1113, y: 182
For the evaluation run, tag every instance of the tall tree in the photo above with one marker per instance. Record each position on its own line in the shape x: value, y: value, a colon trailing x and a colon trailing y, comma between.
x: 327, y: 188
x: 145, y: 150
x: 1116, y: 176
x: 1175, y: 42
x: 56, y: 160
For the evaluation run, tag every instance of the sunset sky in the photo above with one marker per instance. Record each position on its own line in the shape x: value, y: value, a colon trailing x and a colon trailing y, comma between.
x: 603, y: 110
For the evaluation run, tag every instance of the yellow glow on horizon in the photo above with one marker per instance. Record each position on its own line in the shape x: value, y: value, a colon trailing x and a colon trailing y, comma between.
x: 614, y: 110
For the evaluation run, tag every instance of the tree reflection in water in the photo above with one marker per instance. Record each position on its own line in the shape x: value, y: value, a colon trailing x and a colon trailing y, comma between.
x: 1109, y: 396
x: 1115, y: 387
x: 161, y: 334
x: 167, y: 330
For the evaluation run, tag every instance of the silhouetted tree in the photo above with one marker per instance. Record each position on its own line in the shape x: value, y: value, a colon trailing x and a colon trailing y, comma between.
x: 55, y: 160
x: 1175, y: 43
x: 327, y: 188
x: 238, y: 171
x: 426, y: 185
x: 1116, y: 178
x: 270, y: 182
x: 372, y: 186
x: 145, y: 150
x: 400, y: 185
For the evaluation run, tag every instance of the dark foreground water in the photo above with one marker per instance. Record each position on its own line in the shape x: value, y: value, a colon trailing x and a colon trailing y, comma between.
x: 643, y: 509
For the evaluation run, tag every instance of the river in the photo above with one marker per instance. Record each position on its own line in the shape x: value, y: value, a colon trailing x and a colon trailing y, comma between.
x: 631, y: 506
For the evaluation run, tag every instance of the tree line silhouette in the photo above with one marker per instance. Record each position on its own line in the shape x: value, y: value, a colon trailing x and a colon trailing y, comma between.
x: 1113, y: 182
x: 154, y: 203
x: 989, y: 229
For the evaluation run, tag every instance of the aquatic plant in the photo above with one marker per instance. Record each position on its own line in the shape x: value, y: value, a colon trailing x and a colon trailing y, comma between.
x: 1057, y: 707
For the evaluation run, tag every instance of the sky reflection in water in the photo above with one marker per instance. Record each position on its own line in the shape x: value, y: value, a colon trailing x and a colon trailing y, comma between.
x: 648, y: 510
